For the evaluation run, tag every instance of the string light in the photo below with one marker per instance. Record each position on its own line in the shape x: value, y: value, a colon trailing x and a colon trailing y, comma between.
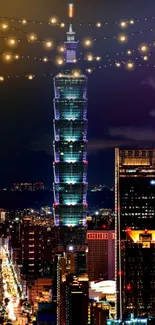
x: 129, y: 52
x: 59, y: 61
x: 17, y: 57
x: 103, y: 23
x: 122, y: 38
x: 98, y: 58
x: 62, y: 25
x: 88, y: 42
x: 24, y: 21
x: 118, y: 64
x: 45, y: 59
x: 89, y: 57
x: 48, y: 44
x: 144, y: 48
x: 98, y: 25
x: 11, y: 42
x: 145, y: 58
x: 30, y: 76
x: 32, y: 38
x: 4, y: 26
x: 7, y: 57
x: 127, y: 65
x: 130, y: 65
x: 123, y: 24
x: 53, y: 20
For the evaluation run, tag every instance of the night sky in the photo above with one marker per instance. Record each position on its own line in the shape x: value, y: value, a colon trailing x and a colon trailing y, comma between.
x: 121, y: 108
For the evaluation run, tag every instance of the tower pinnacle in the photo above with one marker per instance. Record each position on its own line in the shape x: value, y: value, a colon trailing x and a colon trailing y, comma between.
x: 70, y: 44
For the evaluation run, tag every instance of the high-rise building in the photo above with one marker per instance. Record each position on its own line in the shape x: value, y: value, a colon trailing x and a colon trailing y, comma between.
x: 101, y: 254
x: 70, y: 142
x: 135, y: 231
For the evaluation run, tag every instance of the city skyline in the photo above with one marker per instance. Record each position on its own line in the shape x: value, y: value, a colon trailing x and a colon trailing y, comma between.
x: 118, y: 120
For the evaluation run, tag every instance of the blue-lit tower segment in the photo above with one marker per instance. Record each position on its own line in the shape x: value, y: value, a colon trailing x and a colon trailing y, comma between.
x: 70, y: 149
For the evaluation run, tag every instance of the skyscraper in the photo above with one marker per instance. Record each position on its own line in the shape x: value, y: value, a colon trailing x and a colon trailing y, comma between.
x: 70, y: 141
x: 135, y: 231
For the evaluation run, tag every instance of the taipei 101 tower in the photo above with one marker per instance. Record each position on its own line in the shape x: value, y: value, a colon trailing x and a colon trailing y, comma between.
x: 70, y: 140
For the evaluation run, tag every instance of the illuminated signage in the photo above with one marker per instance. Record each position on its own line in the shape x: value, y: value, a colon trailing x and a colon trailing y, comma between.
x: 97, y: 235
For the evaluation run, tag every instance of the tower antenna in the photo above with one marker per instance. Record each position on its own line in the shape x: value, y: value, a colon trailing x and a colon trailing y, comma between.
x: 70, y: 10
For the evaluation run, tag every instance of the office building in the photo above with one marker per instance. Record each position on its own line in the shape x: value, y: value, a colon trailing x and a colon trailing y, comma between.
x: 70, y: 142
x: 135, y: 232
x: 101, y: 254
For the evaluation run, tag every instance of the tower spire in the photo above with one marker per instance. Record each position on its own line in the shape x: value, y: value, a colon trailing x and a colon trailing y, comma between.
x: 70, y: 44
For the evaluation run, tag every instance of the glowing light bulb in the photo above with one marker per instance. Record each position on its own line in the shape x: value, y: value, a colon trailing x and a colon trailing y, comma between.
x: 89, y: 70
x: 16, y: 56
x: 61, y: 49
x: 131, y: 21
x: 30, y: 76
x: 24, y: 22
x: 62, y: 25
x: 45, y: 59
x: 144, y: 48
x: 98, y: 58
x: 129, y: 52
x: 118, y: 64
x: 32, y: 37
x: 48, y: 44
x: 1, y: 78
x: 145, y: 58
x: 122, y: 38
x: 60, y: 61
x: 130, y: 65
x: 98, y: 24
x: 53, y: 20
x: 90, y: 57
x: 123, y: 24
x: 7, y: 57
x: 88, y: 42
x: 5, y: 26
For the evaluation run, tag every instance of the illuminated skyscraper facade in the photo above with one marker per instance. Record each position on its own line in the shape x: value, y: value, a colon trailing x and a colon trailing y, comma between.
x: 135, y: 232
x: 70, y: 142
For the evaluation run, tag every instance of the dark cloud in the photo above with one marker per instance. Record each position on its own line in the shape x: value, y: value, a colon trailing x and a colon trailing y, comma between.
x: 150, y: 81
x: 133, y: 133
